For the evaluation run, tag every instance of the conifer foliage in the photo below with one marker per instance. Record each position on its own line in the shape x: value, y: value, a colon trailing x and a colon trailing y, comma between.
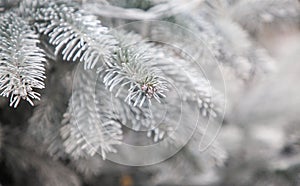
x: 22, y: 61
x: 97, y: 82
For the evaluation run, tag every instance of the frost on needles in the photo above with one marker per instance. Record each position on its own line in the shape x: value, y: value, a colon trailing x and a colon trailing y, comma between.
x: 128, y: 67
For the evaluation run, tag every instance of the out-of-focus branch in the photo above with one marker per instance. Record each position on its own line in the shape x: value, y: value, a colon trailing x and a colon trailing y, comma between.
x: 118, y: 12
x: 156, y: 12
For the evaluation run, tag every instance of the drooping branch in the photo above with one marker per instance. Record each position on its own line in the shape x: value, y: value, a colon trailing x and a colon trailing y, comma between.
x: 22, y: 62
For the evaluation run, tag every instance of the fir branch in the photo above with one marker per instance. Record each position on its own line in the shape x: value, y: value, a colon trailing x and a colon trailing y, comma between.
x: 129, y: 69
x: 76, y: 34
x: 248, y: 59
x: 180, y: 70
x: 90, y: 126
x: 218, y: 35
x: 21, y: 60
x: 177, y: 71
x: 185, y: 76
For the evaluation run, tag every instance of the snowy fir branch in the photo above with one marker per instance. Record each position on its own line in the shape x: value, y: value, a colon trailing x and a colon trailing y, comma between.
x: 75, y: 34
x: 89, y: 126
x: 130, y: 68
x: 22, y: 68
x: 202, y: 79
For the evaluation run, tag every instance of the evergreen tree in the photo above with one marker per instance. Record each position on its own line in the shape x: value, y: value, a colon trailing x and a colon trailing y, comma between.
x: 87, y: 82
